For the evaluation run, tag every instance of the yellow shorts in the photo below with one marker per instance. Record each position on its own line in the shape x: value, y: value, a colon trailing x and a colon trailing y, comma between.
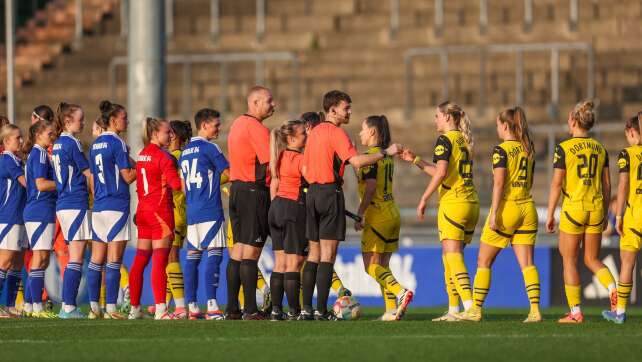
x: 230, y: 237
x: 516, y: 223
x: 381, y: 231
x: 582, y: 222
x: 180, y: 229
x: 457, y: 221
x: 632, y: 225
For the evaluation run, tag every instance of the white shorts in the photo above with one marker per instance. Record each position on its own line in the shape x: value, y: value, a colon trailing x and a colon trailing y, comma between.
x: 110, y: 225
x: 13, y: 237
x: 41, y: 235
x: 75, y: 224
x: 206, y: 235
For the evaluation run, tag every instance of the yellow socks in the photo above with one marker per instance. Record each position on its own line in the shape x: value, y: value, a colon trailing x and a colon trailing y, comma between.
x: 460, y: 276
x: 175, y: 283
x: 124, y: 277
x: 606, y: 279
x: 623, y: 294
x: 482, y: 286
x: 384, y: 277
x: 573, y: 297
x: 336, y: 282
x: 260, y: 282
x: 389, y: 299
x: 531, y: 282
x: 451, y: 289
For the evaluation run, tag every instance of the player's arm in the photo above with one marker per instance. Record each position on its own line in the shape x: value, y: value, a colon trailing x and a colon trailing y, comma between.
x: 606, y: 185
x: 90, y: 179
x: 500, y: 160
x: 624, y: 166
x: 274, y: 187
x: 129, y: 175
x: 21, y: 179
x: 368, y: 194
x: 225, y: 176
x: 359, y: 161
x: 559, y: 172
x: 171, y: 173
x: 441, y: 171
x: 126, y: 164
x: 44, y: 185
x: 426, y: 167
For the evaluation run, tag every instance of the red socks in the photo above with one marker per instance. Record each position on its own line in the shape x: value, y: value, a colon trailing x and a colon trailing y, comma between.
x: 136, y: 275
x: 159, y: 275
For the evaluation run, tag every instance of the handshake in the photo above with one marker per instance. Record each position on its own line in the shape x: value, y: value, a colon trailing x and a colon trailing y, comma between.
x: 402, y: 152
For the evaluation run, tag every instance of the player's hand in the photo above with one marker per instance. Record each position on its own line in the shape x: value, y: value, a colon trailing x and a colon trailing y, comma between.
x: 394, y: 149
x: 407, y: 155
x: 619, y: 226
x: 421, y: 209
x: 492, y: 224
x: 550, y: 224
x: 358, y: 225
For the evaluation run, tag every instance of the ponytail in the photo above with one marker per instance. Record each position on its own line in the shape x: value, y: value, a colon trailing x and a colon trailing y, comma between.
x: 461, y: 120
x: 279, y: 142
x: 35, y: 129
x: 517, y: 125
x: 380, y: 123
x: 64, y: 112
x: 151, y: 125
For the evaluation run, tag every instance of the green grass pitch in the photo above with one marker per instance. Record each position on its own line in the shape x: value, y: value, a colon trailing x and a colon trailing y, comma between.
x: 500, y: 337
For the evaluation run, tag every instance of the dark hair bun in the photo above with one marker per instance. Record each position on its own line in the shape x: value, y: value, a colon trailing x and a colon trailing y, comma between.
x: 105, y: 106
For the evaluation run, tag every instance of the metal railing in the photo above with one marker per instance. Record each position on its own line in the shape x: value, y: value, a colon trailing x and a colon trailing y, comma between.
x: 223, y: 60
x: 482, y: 51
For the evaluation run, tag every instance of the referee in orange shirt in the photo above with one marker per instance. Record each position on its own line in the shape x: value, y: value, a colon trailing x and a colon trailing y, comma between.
x: 328, y: 150
x: 248, y: 148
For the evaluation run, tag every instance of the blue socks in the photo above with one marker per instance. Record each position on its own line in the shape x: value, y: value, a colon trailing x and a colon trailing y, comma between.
x: 112, y: 285
x: 94, y: 281
x: 37, y: 284
x: 13, y: 283
x: 3, y: 277
x: 190, y: 273
x: 212, y: 271
x: 71, y: 282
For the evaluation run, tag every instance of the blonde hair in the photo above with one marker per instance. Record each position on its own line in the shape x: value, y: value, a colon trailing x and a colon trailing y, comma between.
x: 516, y: 120
x: 151, y: 125
x: 6, y: 131
x: 462, y: 122
x: 279, y: 142
x: 65, y: 111
x: 584, y: 114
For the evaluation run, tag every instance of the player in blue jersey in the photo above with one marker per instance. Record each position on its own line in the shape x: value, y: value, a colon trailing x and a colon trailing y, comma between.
x: 72, y: 207
x: 12, y: 201
x: 202, y: 164
x: 112, y: 171
x: 40, y: 210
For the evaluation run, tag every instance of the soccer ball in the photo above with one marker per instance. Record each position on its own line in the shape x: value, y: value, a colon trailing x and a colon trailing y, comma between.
x: 347, y: 308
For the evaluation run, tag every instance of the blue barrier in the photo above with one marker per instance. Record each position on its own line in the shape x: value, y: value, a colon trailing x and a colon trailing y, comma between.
x: 418, y: 268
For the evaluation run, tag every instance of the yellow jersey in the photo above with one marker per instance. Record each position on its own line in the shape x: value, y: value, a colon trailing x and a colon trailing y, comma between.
x: 630, y: 161
x: 583, y: 158
x: 382, y: 172
x: 458, y: 185
x: 519, y: 170
x: 178, y: 196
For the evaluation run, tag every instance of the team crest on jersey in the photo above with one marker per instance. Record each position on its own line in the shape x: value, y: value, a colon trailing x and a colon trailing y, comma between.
x: 439, y: 150
x: 621, y: 163
x: 556, y: 157
x: 496, y: 158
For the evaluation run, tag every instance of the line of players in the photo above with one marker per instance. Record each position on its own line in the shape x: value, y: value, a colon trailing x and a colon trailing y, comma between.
x: 288, y: 184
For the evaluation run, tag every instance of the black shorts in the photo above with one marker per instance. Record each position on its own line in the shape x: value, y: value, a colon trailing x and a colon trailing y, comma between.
x: 325, y: 213
x: 249, y: 206
x: 287, y: 226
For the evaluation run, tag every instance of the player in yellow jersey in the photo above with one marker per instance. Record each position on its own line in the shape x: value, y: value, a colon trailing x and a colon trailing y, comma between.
x: 582, y: 176
x: 512, y: 219
x: 629, y: 204
x: 452, y: 177
x: 380, y: 218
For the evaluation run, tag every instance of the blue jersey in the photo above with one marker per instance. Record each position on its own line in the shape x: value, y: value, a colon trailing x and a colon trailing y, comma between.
x: 69, y: 163
x: 107, y: 157
x: 201, y: 164
x: 13, y: 194
x: 41, y: 205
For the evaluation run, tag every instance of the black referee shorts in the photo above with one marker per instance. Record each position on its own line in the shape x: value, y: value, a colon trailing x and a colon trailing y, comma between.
x: 325, y: 212
x: 287, y: 226
x: 249, y: 206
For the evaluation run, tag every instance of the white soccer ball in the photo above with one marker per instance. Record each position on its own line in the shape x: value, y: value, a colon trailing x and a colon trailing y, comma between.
x: 347, y: 308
